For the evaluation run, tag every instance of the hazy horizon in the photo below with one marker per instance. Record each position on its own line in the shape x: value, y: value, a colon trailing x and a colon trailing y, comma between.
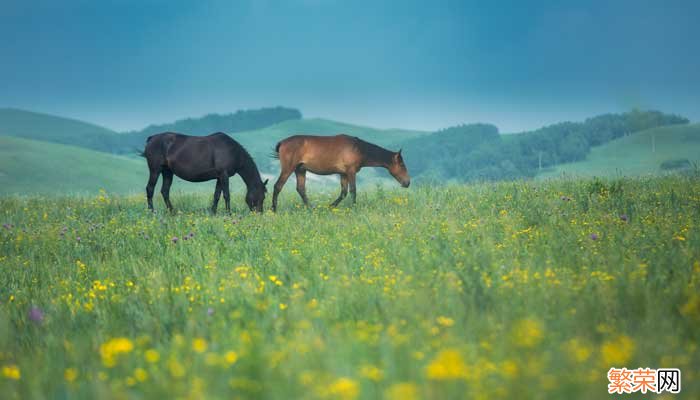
x: 407, y: 65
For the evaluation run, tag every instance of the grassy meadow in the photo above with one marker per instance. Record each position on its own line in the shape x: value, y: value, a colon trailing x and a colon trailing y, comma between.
x: 507, y: 290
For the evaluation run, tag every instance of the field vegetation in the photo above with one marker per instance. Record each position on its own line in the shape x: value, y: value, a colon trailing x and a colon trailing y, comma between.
x: 495, y: 290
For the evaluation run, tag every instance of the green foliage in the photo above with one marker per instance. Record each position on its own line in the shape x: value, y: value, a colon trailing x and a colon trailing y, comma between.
x: 634, y: 155
x: 676, y: 163
x: 474, y: 153
x: 507, y: 290
x: 446, y: 150
x: 240, y: 121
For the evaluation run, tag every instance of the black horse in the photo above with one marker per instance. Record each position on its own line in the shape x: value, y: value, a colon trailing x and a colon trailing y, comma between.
x: 199, y: 159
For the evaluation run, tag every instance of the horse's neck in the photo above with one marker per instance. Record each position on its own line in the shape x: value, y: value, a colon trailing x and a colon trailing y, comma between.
x: 378, y: 157
x: 250, y: 175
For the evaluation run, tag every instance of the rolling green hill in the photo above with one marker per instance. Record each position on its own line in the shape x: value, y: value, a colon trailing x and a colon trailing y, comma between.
x: 50, y: 128
x: 29, y: 166
x: 34, y: 167
x: 632, y: 155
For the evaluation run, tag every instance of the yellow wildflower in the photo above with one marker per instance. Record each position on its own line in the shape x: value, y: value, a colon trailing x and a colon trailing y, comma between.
x: 70, y: 374
x: 372, y: 373
x: 448, y: 364
x: 199, y: 345
x: 231, y: 357
x: 152, y: 356
x: 140, y: 374
x: 618, y: 351
x: 113, y: 348
x: 402, y: 391
x: 11, y: 372
x: 344, y: 388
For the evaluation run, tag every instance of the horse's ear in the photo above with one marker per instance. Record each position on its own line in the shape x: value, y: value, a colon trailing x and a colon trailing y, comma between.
x: 265, y: 183
x: 398, y: 155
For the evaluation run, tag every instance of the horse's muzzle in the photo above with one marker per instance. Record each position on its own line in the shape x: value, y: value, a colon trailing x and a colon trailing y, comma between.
x: 406, y: 184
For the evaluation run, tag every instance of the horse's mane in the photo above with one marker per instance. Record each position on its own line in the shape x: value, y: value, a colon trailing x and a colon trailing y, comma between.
x: 373, y: 152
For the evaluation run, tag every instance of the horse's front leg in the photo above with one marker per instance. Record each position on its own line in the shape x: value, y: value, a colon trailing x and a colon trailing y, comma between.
x: 217, y: 195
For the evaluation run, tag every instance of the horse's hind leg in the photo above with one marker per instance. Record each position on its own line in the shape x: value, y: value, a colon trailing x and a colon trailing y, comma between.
x: 165, y: 189
x: 284, y: 175
x: 217, y: 195
x: 353, y: 188
x: 301, y: 184
x: 224, y: 188
x: 343, y: 190
x: 150, y: 187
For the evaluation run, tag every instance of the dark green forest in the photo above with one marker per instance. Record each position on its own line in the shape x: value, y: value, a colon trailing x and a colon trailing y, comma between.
x: 477, y: 152
x: 240, y: 121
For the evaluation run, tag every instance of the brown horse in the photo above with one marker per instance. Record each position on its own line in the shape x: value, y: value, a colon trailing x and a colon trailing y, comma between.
x: 199, y: 159
x: 325, y: 155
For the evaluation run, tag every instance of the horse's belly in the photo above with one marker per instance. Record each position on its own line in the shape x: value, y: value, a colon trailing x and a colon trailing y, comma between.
x: 322, y: 172
x: 319, y: 169
x: 194, y: 177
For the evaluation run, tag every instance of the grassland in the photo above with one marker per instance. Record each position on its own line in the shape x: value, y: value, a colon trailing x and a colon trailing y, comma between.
x: 633, y: 156
x: 29, y: 166
x: 35, y: 167
x: 54, y: 129
x: 510, y: 290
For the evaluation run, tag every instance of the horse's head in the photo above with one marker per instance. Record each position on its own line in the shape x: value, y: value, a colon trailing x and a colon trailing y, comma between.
x: 398, y: 170
x: 256, y: 196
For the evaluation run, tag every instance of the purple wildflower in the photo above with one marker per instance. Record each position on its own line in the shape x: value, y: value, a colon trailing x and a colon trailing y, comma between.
x: 6, y: 226
x: 210, y: 311
x: 174, y: 239
x: 191, y: 235
x: 36, y: 315
x: 78, y: 239
x: 624, y: 217
x: 594, y: 236
x: 565, y: 198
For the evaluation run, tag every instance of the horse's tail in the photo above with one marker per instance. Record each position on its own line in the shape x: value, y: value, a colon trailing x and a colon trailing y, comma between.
x: 276, y: 153
x: 143, y: 153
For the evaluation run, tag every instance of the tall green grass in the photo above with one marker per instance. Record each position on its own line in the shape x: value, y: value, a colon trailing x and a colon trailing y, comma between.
x: 509, y: 290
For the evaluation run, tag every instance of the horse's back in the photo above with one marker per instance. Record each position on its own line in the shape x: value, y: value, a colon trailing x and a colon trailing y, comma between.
x: 319, y: 154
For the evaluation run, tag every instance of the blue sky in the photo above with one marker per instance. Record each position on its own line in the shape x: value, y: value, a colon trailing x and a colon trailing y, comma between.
x: 411, y: 64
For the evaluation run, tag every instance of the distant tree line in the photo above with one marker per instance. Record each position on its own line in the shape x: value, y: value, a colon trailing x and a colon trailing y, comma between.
x: 478, y: 152
x: 242, y: 120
